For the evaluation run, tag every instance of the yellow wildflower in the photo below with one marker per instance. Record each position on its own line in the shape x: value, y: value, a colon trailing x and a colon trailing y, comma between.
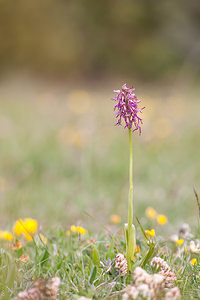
x: 78, y: 229
x: 79, y: 101
x: 162, y: 219
x: 31, y: 225
x: 180, y: 242
x: 6, y: 235
x: 193, y: 261
x: 115, y: 219
x: 28, y: 237
x: 43, y: 238
x: 133, y: 258
x: 73, y: 228
x: 137, y: 249
x: 81, y: 230
x: 27, y: 227
x: 68, y: 232
x: 150, y: 233
x: 151, y: 213
x: 72, y: 136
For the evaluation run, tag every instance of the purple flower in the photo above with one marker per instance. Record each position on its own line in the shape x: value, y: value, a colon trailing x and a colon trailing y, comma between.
x: 127, y: 108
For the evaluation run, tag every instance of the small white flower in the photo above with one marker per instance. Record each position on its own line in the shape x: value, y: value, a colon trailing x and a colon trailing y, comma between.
x: 173, y: 238
x: 194, y: 248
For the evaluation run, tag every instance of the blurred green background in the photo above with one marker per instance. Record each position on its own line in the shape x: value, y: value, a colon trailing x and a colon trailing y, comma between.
x: 60, y: 153
x: 97, y: 38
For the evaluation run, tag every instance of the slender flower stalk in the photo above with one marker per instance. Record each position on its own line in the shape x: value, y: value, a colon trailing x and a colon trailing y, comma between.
x: 130, y: 213
x: 127, y: 110
x: 131, y: 241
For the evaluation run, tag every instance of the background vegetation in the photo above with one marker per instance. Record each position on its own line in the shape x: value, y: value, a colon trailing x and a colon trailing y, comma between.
x: 61, y: 153
x: 62, y: 160
x: 147, y: 39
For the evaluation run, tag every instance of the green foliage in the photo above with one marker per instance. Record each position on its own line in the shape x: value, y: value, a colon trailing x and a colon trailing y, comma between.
x: 83, y: 269
x: 54, y: 182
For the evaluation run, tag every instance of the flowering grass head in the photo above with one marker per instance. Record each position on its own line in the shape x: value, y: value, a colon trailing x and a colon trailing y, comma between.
x: 127, y: 108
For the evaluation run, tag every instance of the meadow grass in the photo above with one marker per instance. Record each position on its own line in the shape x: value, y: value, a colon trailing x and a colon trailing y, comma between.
x: 63, y: 162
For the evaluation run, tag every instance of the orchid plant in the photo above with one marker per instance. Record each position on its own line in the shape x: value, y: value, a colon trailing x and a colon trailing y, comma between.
x: 127, y: 110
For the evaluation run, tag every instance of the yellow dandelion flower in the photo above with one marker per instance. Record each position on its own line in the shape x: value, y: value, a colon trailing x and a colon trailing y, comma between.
x: 150, y: 233
x: 73, y: 228
x: 180, y: 242
x: 151, y: 213
x: 6, y: 235
x: 115, y: 219
x: 81, y: 230
x: 68, y: 232
x: 193, y: 261
x: 162, y: 219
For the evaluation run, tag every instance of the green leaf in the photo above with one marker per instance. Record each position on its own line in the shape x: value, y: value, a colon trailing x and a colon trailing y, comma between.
x: 110, y: 253
x: 130, y: 240
x: 95, y: 256
x: 93, y: 274
x: 44, y: 256
x: 148, y: 255
x: 141, y: 228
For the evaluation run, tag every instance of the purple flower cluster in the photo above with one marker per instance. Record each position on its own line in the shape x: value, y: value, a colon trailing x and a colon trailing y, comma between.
x: 127, y: 108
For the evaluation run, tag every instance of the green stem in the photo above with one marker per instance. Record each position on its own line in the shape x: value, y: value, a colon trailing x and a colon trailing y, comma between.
x: 130, y: 203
